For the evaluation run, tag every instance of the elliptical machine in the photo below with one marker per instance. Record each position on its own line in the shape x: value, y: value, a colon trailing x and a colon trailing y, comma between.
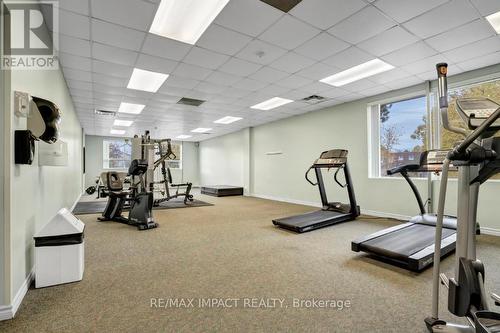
x: 477, y: 158
x: 141, y: 201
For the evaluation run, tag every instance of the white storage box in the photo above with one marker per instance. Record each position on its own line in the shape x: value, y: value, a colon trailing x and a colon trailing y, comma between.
x: 59, y: 250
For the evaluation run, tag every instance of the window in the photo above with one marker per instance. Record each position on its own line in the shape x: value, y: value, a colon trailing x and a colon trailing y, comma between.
x: 447, y: 139
x: 116, y: 153
x: 175, y: 163
x: 399, y: 133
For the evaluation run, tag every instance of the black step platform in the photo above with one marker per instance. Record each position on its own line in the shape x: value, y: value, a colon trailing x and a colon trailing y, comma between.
x: 221, y: 190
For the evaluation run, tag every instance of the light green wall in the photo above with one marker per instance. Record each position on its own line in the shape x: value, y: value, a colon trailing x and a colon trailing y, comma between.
x: 302, y: 138
x: 37, y: 193
x: 225, y: 160
x: 94, y: 161
x: 4, y: 94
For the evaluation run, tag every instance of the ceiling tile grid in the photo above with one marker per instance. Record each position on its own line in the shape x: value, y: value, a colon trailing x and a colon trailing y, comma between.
x: 252, y: 52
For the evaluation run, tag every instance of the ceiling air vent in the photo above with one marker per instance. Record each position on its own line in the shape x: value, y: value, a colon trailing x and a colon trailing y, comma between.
x: 190, y: 101
x: 283, y: 5
x: 105, y: 113
x: 314, y: 99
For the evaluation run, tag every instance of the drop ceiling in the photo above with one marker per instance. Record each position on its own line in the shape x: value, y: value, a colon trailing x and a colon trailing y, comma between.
x: 253, y: 52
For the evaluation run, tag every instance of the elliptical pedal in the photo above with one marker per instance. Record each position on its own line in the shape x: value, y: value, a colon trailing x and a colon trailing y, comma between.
x: 487, y: 322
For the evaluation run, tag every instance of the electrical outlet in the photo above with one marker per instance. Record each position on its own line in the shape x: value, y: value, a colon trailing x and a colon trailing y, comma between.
x: 21, y: 104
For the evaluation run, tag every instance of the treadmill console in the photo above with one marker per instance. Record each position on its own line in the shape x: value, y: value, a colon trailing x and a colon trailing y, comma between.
x: 331, y: 158
x: 432, y: 160
x: 474, y: 111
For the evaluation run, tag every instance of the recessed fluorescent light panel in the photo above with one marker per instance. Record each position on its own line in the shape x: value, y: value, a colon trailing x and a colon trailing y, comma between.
x: 146, y: 80
x: 227, y: 120
x: 131, y: 108
x: 184, y: 20
x: 183, y: 136
x: 117, y: 132
x: 201, y: 130
x: 358, y: 72
x: 271, y: 103
x: 494, y: 20
x: 123, y: 123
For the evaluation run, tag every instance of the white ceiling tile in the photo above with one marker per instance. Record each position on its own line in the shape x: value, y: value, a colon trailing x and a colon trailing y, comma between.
x: 79, y: 84
x: 483, y: 61
x: 321, y: 46
x: 173, y: 91
x: 222, y: 40
x: 239, y: 67
x: 109, y: 80
x: 74, y: 25
x: 359, y: 86
x: 210, y: 88
x: 75, y: 74
x: 131, y: 13
x: 335, y: 92
x: 392, y: 75
x: 379, y: 89
x: 191, y: 71
x: 115, y: 35
x: 77, y: 6
x: 403, y: 83
x: 111, y: 69
x: 155, y: 64
x: 316, y: 88
x: 428, y: 76
x: 180, y: 82
x: 487, y: 7
x: 350, y: 97
x: 292, y: 62
x: 293, y: 82
x: 250, y: 84
x: 205, y: 58
x: 113, y: 54
x: 81, y: 93
x: 165, y: 47
x: 261, y: 52
x: 75, y: 62
x: 468, y: 33
x: 424, y: 65
x: 235, y: 92
x: 366, y: 23
x: 445, y: 17
x: 268, y: 74
x: 317, y: 71
x: 348, y: 58
x: 325, y: 13
x: 218, y: 77
x: 276, y: 90
x: 289, y: 33
x: 474, y: 50
x: 409, y: 54
x: 76, y: 46
x: 403, y: 10
x: 248, y: 17
x: 386, y: 41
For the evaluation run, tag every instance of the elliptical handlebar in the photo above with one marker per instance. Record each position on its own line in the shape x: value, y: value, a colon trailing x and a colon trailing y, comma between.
x: 442, y: 71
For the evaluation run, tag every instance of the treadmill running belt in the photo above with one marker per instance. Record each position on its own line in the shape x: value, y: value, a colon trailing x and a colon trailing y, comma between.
x: 402, y: 243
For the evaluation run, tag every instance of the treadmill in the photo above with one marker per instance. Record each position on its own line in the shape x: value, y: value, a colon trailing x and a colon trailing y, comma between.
x: 411, y: 245
x: 332, y: 212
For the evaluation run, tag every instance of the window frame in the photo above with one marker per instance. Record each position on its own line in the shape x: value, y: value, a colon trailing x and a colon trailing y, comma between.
x: 105, y: 154
x: 373, y: 130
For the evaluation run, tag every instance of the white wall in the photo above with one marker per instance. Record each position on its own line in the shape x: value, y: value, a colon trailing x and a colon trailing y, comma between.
x: 302, y: 138
x: 3, y: 94
x: 94, y: 161
x: 224, y: 159
x: 37, y: 193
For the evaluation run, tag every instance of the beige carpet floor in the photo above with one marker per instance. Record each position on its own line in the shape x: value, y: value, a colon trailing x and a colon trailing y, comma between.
x: 232, y: 250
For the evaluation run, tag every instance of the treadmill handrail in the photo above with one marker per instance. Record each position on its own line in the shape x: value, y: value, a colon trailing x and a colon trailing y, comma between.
x: 307, y: 177
x: 403, y: 170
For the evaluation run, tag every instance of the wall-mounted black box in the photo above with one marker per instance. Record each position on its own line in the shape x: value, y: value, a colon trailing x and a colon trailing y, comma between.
x: 24, y: 147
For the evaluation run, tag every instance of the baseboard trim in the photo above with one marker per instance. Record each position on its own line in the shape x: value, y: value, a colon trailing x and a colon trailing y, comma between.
x: 292, y: 201
x: 385, y: 215
x: 490, y: 231
x: 9, y: 311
